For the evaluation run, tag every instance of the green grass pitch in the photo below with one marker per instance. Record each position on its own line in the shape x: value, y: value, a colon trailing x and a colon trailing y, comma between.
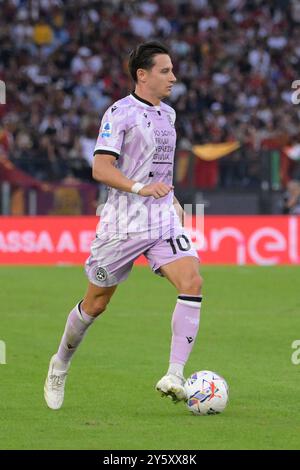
x: 250, y: 318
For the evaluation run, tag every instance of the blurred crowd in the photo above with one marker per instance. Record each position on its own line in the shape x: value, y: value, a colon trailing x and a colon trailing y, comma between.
x: 65, y: 62
x: 291, y: 198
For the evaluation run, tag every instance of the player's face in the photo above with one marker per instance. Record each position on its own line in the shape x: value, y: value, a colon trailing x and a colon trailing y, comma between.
x: 160, y: 78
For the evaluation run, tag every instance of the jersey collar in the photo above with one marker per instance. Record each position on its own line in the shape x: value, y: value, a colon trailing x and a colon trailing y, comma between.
x: 134, y: 95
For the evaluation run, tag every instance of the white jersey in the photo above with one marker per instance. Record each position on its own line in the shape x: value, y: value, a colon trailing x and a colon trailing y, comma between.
x: 142, y: 138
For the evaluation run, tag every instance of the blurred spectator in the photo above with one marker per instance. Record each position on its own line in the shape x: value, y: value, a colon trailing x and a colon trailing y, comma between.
x: 42, y: 33
x: 292, y: 198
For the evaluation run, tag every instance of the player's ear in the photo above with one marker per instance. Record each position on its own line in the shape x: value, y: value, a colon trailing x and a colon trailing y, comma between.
x: 141, y: 75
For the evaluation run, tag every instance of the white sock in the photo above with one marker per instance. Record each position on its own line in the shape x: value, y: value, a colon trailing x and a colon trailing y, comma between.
x: 60, y: 365
x: 175, y: 369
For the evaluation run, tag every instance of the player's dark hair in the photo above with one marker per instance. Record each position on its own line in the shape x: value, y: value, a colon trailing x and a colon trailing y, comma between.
x: 141, y: 57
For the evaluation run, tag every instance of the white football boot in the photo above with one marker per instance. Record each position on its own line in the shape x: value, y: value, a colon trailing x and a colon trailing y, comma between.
x: 54, y: 388
x: 172, y: 385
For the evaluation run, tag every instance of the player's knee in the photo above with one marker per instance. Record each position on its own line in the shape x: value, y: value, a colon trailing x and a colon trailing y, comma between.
x: 97, y: 306
x: 192, y: 285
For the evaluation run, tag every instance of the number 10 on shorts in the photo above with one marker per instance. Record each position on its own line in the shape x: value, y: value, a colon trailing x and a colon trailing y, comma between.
x: 181, y: 243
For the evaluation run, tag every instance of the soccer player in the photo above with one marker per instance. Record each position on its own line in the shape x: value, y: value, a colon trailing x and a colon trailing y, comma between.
x: 134, y: 157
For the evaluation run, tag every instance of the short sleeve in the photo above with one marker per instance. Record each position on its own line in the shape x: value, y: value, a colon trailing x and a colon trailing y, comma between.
x: 173, y: 116
x: 112, y: 132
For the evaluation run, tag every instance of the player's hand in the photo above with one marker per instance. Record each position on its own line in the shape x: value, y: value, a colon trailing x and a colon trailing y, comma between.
x: 156, y: 190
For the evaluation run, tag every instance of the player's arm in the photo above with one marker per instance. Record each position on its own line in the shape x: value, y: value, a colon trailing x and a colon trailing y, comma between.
x: 105, y: 171
x: 179, y: 210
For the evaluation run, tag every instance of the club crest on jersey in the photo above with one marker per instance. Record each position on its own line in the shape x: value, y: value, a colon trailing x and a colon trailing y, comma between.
x: 106, y: 129
x: 101, y: 274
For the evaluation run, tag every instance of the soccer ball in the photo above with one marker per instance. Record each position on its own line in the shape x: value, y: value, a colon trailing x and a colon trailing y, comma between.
x: 207, y: 393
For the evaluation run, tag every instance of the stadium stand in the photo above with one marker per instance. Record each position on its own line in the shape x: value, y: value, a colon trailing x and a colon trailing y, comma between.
x: 64, y: 63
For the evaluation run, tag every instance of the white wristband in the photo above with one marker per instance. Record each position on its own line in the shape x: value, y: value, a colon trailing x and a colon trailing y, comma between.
x: 137, y: 187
